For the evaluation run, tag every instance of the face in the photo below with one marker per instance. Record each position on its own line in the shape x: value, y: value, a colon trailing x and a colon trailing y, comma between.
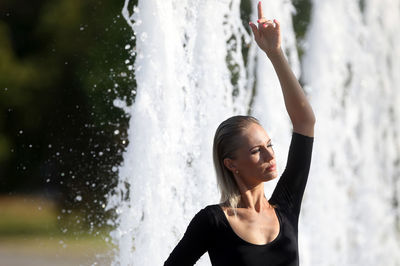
x: 255, y: 159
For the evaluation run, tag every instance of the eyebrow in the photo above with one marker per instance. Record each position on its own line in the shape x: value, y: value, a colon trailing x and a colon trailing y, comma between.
x: 268, y: 141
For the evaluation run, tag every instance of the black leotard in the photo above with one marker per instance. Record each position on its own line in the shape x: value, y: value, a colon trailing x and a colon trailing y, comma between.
x: 210, y: 231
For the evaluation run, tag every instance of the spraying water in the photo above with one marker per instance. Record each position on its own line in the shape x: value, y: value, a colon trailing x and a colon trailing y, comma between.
x: 352, y: 67
x: 196, y: 65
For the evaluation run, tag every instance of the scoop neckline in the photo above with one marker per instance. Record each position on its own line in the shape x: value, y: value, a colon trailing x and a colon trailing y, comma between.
x: 247, y: 242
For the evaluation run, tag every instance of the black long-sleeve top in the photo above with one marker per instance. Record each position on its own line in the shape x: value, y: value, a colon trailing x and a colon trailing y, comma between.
x: 210, y: 230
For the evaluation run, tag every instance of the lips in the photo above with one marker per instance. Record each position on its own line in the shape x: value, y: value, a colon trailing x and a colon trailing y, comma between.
x: 271, y: 168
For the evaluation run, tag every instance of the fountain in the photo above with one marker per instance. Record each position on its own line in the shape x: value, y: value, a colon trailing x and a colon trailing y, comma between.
x: 196, y: 64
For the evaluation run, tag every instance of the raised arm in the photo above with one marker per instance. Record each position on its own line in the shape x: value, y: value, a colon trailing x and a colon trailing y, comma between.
x: 268, y: 37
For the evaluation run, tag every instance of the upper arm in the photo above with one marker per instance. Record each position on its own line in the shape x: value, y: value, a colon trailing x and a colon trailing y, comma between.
x: 194, y: 242
x: 290, y: 187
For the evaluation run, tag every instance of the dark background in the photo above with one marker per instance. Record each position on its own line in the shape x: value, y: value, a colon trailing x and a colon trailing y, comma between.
x: 62, y: 63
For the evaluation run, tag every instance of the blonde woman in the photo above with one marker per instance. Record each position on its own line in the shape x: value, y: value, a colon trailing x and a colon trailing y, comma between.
x: 246, y: 228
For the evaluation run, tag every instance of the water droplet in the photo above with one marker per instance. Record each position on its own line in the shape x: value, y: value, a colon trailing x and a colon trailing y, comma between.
x: 138, y: 22
x: 100, y: 153
x: 82, y: 28
x: 78, y: 198
x: 143, y: 36
x: 116, y: 132
x: 127, y: 47
x: 114, y: 169
x: 127, y: 61
x: 47, y: 180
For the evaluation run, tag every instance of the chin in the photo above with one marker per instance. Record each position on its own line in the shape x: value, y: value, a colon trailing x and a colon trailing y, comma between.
x: 270, y: 176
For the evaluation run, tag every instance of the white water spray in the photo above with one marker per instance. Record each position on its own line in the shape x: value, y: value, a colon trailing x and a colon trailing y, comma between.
x: 186, y: 54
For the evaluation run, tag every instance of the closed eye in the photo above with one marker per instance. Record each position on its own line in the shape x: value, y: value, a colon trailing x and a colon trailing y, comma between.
x: 259, y: 149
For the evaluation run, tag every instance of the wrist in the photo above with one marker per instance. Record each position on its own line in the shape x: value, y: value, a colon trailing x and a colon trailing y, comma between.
x: 275, y: 55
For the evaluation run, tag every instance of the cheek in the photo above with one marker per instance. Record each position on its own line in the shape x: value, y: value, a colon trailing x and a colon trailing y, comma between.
x: 250, y: 164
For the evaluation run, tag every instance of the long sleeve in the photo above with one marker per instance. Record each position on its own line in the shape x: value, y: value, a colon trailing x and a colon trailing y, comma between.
x: 290, y: 187
x: 194, y: 243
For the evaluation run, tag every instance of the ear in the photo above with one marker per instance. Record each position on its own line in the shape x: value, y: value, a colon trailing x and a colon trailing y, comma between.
x: 229, y: 164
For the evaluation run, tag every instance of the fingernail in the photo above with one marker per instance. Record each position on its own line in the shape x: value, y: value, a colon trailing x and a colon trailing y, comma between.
x: 264, y: 25
x: 258, y: 21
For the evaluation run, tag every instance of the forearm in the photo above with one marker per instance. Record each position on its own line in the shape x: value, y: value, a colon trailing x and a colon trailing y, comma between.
x: 297, y: 105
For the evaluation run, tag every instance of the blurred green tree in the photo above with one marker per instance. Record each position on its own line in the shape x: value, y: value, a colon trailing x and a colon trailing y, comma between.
x: 62, y: 63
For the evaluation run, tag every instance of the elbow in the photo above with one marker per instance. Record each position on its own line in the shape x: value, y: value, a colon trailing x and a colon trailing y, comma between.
x: 305, y: 126
x: 312, y: 121
x: 309, y: 120
x: 305, y: 122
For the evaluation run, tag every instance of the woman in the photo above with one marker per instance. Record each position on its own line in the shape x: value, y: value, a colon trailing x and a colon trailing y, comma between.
x: 246, y: 228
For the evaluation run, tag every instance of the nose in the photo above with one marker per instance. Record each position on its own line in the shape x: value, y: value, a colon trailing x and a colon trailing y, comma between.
x: 268, y: 154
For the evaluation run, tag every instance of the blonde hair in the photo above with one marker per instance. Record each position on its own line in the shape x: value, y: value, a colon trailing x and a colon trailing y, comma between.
x: 226, y: 143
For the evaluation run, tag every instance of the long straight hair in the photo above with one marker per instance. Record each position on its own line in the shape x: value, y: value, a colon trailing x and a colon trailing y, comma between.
x: 226, y: 143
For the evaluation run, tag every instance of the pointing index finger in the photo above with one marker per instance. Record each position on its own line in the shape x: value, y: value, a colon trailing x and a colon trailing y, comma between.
x: 260, y: 13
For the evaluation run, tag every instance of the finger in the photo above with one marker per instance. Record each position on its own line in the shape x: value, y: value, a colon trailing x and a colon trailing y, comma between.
x: 260, y: 13
x: 268, y: 23
x: 255, y: 30
x: 277, y: 24
x: 262, y: 20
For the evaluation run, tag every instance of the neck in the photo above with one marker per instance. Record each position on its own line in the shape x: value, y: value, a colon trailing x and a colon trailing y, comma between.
x: 252, y: 198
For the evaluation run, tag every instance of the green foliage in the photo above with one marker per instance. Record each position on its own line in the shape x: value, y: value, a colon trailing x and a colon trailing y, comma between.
x: 301, y: 20
x: 60, y: 62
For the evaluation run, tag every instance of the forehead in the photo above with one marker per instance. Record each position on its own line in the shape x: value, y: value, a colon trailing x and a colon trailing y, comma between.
x: 254, y: 135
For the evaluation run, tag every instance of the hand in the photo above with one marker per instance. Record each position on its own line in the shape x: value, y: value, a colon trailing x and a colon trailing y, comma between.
x: 268, y: 34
